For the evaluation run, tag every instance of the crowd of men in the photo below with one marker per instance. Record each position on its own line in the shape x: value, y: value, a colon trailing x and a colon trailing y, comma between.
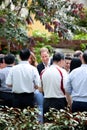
x: 57, y: 82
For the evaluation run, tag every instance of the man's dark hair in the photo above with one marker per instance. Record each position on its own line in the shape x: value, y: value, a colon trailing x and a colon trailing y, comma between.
x: 85, y: 56
x: 58, y: 56
x: 9, y: 59
x: 24, y: 54
x: 68, y: 57
x: 75, y: 63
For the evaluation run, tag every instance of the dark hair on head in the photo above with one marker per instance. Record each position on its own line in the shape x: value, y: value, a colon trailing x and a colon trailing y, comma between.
x: 75, y: 63
x: 85, y: 56
x: 68, y: 57
x: 24, y: 54
x: 58, y: 56
x: 9, y: 58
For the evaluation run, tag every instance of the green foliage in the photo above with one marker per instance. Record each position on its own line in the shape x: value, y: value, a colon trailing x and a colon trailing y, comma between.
x: 80, y: 36
x: 83, y: 46
x: 12, y: 27
x: 83, y: 20
x: 47, y: 39
x: 56, y: 15
x: 65, y: 120
x: 16, y: 119
x: 59, y: 16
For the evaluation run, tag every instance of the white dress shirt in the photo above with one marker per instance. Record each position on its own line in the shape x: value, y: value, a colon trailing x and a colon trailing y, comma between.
x: 51, y: 82
x: 23, y: 77
x: 76, y: 84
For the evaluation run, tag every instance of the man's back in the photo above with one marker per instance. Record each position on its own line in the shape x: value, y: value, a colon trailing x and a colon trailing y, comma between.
x: 3, y: 75
x: 52, y: 85
x: 77, y: 86
x: 24, y: 76
x: 78, y: 81
x: 52, y: 82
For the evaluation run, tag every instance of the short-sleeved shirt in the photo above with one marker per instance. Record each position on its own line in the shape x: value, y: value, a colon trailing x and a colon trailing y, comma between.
x: 51, y: 82
x: 3, y: 75
x: 23, y: 77
x: 76, y: 84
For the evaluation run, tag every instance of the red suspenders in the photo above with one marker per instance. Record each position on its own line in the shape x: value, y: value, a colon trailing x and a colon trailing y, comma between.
x: 62, y: 88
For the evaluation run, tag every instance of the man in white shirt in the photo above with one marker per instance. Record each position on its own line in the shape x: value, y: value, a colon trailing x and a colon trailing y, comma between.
x: 76, y: 86
x: 53, y: 80
x: 6, y: 92
x: 23, y: 78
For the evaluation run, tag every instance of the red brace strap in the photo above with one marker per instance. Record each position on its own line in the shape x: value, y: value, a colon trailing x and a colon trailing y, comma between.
x: 62, y: 88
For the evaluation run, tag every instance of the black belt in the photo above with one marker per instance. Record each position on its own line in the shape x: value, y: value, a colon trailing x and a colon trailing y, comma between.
x: 5, y: 92
x: 22, y: 94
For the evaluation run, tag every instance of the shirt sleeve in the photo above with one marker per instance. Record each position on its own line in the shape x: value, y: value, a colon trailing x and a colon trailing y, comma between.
x: 68, y: 86
x: 36, y: 77
x: 9, y: 78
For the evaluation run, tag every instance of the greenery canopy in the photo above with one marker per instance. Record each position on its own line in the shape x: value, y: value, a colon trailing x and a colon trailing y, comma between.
x: 58, y: 16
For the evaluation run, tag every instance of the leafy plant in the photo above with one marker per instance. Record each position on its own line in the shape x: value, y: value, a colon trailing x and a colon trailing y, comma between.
x: 83, y: 46
x: 65, y: 120
x: 12, y: 29
x: 45, y: 38
x: 80, y: 36
x: 16, y: 119
x: 59, y: 16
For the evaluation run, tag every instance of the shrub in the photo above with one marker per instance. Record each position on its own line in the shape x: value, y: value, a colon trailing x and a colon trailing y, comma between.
x: 27, y: 119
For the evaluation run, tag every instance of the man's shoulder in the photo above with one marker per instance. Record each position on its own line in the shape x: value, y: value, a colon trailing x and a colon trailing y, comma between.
x: 2, y: 70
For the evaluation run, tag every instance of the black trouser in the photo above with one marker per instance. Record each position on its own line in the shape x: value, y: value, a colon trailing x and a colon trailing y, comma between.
x: 23, y: 100
x: 6, y: 99
x: 79, y: 106
x: 57, y: 103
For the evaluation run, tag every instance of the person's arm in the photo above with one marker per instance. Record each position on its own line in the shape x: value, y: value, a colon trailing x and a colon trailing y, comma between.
x: 68, y: 91
x: 9, y: 85
x: 40, y: 89
x: 9, y: 79
x: 69, y: 100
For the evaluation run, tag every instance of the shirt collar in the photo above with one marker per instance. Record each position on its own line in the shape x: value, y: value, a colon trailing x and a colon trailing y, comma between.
x: 84, y: 65
x: 24, y: 62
